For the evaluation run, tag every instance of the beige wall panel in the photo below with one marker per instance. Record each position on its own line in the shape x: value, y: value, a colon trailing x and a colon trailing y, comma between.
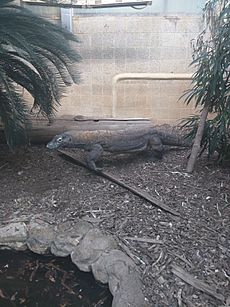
x: 112, y: 45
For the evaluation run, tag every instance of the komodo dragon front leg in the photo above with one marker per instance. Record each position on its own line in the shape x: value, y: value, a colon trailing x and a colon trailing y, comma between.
x: 156, y: 146
x: 94, y: 154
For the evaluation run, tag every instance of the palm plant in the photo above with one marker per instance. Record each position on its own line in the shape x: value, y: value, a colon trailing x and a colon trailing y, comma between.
x: 37, y: 56
x: 211, y: 84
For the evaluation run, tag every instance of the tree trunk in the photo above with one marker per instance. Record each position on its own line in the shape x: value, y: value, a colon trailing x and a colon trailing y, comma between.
x: 197, y: 141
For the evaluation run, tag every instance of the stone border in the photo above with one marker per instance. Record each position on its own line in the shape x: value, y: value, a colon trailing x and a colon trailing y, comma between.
x: 89, y: 248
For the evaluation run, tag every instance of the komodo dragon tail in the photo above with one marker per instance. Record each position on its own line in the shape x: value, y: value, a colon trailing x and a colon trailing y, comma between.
x: 173, y: 140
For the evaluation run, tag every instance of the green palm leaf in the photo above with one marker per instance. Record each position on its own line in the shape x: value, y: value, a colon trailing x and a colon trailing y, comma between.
x: 40, y: 57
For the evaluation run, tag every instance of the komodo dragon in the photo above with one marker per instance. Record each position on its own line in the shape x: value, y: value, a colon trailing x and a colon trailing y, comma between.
x: 117, y: 141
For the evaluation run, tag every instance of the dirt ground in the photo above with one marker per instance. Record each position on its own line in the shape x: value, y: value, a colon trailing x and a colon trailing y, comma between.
x: 40, y: 181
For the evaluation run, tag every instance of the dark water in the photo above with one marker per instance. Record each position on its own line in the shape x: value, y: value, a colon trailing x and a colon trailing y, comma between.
x: 30, y: 280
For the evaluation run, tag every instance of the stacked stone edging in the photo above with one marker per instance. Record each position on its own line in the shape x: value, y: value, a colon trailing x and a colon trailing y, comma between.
x: 89, y: 248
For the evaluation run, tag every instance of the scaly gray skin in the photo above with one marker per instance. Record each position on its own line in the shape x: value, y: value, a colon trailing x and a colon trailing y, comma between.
x: 121, y: 141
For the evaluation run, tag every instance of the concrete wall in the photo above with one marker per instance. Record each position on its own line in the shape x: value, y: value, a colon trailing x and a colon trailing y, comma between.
x: 118, y: 43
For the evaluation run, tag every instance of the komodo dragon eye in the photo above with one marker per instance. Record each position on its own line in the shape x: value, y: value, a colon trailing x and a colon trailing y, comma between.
x: 59, y: 140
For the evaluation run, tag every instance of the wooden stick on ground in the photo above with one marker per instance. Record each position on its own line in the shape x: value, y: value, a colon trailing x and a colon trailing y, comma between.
x: 3, y: 165
x: 196, y: 283
x: 145, y: 240
x: 116, y: 180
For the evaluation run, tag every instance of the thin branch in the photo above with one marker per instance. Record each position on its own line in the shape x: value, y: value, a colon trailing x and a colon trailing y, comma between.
x: 196, y: 283
x: 145, y: 240
x: 116, y: 180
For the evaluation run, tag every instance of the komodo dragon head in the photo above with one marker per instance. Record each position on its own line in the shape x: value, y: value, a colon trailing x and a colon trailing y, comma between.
x: 60, y: 140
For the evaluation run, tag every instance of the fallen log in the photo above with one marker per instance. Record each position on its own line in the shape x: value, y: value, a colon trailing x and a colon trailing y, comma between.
x: 42, y: 131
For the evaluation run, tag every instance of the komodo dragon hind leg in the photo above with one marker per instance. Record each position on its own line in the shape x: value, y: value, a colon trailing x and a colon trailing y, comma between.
x: 156, y: 147
x: 93, y: 156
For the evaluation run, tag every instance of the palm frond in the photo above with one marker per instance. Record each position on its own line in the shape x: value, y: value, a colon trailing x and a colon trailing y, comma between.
x: 37, y: 55
x: 13, y: 112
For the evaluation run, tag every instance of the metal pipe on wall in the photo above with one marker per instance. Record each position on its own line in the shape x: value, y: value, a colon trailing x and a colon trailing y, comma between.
x: 143, y: 76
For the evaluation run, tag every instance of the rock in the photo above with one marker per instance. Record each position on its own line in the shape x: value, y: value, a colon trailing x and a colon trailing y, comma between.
x: 77, y: 226
x: 68, y: 236
x: 41, y: 235
x: 106, y: 264
x: 120, y: 272
x: 90, y: 249
x: 14, y: 236
x: 63, y: 245
x: 127, y: 291
x: 18, y: 246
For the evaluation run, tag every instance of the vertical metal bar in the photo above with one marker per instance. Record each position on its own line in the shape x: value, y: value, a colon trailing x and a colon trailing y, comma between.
x: 67, y: 19
x: 165, y: 8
